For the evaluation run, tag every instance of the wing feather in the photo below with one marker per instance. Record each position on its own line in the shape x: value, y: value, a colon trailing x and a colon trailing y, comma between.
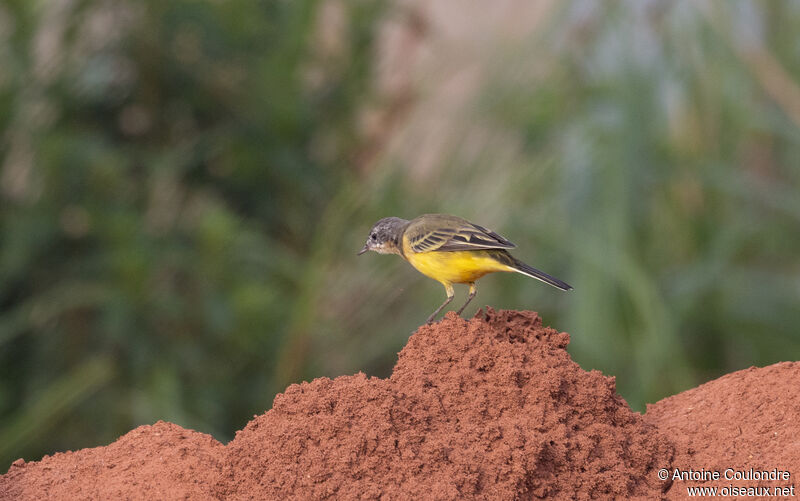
x: 449, y: 233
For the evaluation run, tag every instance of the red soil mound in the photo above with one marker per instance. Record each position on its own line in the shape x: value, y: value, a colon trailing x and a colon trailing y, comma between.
x: 162, y: 461
x: 492, y: 408
x: 747, y: 419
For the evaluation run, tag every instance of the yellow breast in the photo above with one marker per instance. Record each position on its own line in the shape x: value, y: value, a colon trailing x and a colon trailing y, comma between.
x: 454, y: 266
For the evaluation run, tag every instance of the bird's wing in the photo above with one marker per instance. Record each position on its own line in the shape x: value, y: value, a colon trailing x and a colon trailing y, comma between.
x: 439, y: 232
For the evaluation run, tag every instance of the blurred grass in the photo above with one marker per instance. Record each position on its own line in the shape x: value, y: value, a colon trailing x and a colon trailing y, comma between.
x: 184, y: 187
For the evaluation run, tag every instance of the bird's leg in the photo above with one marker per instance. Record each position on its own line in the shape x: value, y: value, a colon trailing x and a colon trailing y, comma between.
x: 472, y: 292
x: 450, y: 294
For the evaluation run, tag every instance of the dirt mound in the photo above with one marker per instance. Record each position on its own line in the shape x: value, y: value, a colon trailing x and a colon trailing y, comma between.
x: 747, y: 419
x: 162, y: 461
x: 493, y: 408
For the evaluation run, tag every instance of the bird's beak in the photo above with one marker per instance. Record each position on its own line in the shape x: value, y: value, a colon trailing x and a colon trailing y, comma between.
x: 365, y: 249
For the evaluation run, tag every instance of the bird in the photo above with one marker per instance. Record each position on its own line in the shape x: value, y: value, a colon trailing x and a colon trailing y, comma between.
x: 451, y: 250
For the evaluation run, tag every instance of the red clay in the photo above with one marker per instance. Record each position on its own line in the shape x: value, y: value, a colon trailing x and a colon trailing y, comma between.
x: 747, y: 419
x: 492, y: 408
x: 162, y: 461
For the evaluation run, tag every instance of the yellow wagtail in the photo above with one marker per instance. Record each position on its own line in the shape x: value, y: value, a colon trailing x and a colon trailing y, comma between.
x: 451, y: 250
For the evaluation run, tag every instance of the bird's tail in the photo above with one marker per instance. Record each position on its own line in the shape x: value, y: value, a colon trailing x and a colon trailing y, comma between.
x: 532, y: 272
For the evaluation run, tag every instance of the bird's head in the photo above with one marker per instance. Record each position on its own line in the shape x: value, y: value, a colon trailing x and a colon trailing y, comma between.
x: 384, y: 237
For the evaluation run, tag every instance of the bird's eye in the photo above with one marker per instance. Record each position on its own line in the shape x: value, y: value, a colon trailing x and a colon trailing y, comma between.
x: 373, y: 236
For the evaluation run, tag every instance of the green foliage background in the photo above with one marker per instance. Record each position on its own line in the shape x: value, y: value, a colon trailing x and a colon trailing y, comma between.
x: 183, y: 187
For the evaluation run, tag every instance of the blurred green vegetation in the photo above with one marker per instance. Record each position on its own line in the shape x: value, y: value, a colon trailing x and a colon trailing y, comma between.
x: 184, y: 185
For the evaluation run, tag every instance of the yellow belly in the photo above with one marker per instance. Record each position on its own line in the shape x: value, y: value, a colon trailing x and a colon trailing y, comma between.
x: 457, y: 267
